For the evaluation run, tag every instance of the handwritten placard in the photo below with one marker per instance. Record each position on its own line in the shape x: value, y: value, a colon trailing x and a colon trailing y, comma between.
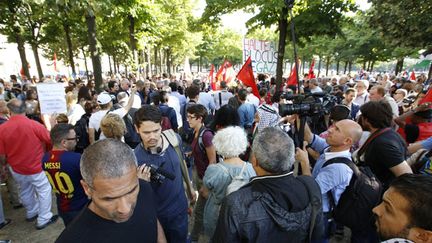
x: 263, y: 55
x: 52, y: 98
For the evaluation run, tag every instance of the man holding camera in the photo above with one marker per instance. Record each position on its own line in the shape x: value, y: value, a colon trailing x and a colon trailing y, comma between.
x: 156, y: 150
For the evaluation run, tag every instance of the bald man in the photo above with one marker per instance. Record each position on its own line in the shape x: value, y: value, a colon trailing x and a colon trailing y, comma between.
x: 333, y: 177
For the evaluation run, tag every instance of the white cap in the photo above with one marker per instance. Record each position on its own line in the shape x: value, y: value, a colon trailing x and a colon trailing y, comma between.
x: 103, y: 99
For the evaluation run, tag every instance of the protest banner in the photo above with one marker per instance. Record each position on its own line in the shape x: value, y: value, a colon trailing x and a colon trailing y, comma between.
x: 52, y: 98
x: 263, y: 55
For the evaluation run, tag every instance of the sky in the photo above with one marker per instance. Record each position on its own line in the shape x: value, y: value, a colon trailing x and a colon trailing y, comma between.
x: 237, y: 19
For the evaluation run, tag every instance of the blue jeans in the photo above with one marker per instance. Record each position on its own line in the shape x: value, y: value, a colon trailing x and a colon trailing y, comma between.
x: 175, y: 228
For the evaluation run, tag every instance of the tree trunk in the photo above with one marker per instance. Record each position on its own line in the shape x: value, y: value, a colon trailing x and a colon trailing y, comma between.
x: 345, y: 68
x: 282, y: 26
x: 66, y: 29
x: 303, y: 67
x: 38, y: 64
x: 337, y: 67
x: 132, y: 39
x: 162, y: 70
x: 399, y: 65
x: 115, y: 64
x: 364, y: 65
x: 327, y: 64
x: 126, y: 70
x: 372, y: 66
x: 109, y: 64
x: 85, y: 63
x: 97, y: 67
x: 349, y: 66
x: 430, y: 72
x: 156, y: 59
x: 21, y: 50
x: 319, y: 67
x: 148, y: 62
x: 168, y: 61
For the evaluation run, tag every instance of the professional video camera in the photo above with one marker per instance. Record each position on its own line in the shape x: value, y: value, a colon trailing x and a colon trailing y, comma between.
x: 157, y: 174
x: 315, y: 104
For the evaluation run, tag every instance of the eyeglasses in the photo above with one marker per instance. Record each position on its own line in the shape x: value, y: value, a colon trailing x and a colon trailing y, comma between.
x: 190, y: 117
x: 72, y: 139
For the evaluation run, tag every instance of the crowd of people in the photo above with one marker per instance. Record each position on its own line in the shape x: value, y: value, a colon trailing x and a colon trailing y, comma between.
x: 168, y: 160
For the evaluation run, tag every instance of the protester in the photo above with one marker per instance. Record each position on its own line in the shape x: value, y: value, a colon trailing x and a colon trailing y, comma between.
x: 204, y: 154
x: 229, y: 143
x: 122, y: 208
x: 105, y: 102
x: 384, y: 151
x: 63, y: 170
x: 222, y: 96
x: 362, y: 97
x: 405, y: 212
x: 24, y: 157
x: 275, y: 206
x: 113, y: 126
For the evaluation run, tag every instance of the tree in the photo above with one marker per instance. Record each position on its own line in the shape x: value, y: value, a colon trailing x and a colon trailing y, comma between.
x: 312, y: 18
x: 406, y: 24
x: 9, y: 26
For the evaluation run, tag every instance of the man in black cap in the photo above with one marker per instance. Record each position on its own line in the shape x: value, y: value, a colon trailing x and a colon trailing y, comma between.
x: 420, y: 125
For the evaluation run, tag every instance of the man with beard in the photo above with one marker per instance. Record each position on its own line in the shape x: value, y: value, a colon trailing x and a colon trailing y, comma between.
x: 405, y: 213
x: 385, y: 150
x: 122, y: 208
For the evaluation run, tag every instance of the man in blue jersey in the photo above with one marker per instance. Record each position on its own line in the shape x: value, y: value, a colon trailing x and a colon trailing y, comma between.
x: 62, y: 167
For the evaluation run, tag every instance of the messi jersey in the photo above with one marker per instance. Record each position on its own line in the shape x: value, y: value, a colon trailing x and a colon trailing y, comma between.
x: 62, y: 169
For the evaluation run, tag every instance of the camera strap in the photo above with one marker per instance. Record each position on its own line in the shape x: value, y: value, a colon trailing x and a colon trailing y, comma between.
x: 371, y: 137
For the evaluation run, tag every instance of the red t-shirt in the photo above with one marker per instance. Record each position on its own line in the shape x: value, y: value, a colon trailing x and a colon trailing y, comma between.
x: 23, y: 142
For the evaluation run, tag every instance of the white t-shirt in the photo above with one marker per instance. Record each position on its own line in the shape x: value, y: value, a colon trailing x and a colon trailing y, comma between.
x: 251, y: 98
x: 96, y: 118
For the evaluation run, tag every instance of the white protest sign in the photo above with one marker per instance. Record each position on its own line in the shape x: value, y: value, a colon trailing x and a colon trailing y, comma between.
x: 52, y: 98
x: 263, y: 55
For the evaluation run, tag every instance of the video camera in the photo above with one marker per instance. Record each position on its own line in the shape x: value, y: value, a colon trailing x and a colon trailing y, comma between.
x: 158, y: 175
x: 315, y: 104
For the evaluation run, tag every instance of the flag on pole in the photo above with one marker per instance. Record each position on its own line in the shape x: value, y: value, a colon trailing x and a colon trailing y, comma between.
x: 55, y: 62
x: 226, y: 73
x: 211, y: 78
x: 292, y: 80
x: 427, y: 98
x: 247, y: 77
x: 413, y: 77
x: 311, y: 70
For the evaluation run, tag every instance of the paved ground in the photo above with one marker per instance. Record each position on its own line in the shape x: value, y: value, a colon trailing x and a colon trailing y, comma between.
x: 20, y: 231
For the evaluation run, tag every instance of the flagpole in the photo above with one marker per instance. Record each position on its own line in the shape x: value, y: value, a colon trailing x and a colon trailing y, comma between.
x: 290, y: 5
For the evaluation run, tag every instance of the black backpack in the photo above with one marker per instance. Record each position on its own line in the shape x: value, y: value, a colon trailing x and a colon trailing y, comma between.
x: 81, y: 130
x: 354, y: 209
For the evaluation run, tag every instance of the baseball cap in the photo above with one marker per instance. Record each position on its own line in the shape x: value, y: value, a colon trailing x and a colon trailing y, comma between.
x: 103, y: 99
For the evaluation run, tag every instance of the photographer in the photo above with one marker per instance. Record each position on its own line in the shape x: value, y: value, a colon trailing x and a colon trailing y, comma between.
x: 155, y: 149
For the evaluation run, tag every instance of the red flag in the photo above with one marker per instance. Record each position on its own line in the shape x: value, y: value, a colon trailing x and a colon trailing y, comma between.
x: 55, y: 62
x: 292, y: 80
x: 247, y: 77
x: 311, y: 70
x: 211, y: 77
x: 413, y: 77
x: 226, y: 73
x: 427, y: 98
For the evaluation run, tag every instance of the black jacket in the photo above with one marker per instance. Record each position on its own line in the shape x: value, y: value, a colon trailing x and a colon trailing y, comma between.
x: 270, y: 209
